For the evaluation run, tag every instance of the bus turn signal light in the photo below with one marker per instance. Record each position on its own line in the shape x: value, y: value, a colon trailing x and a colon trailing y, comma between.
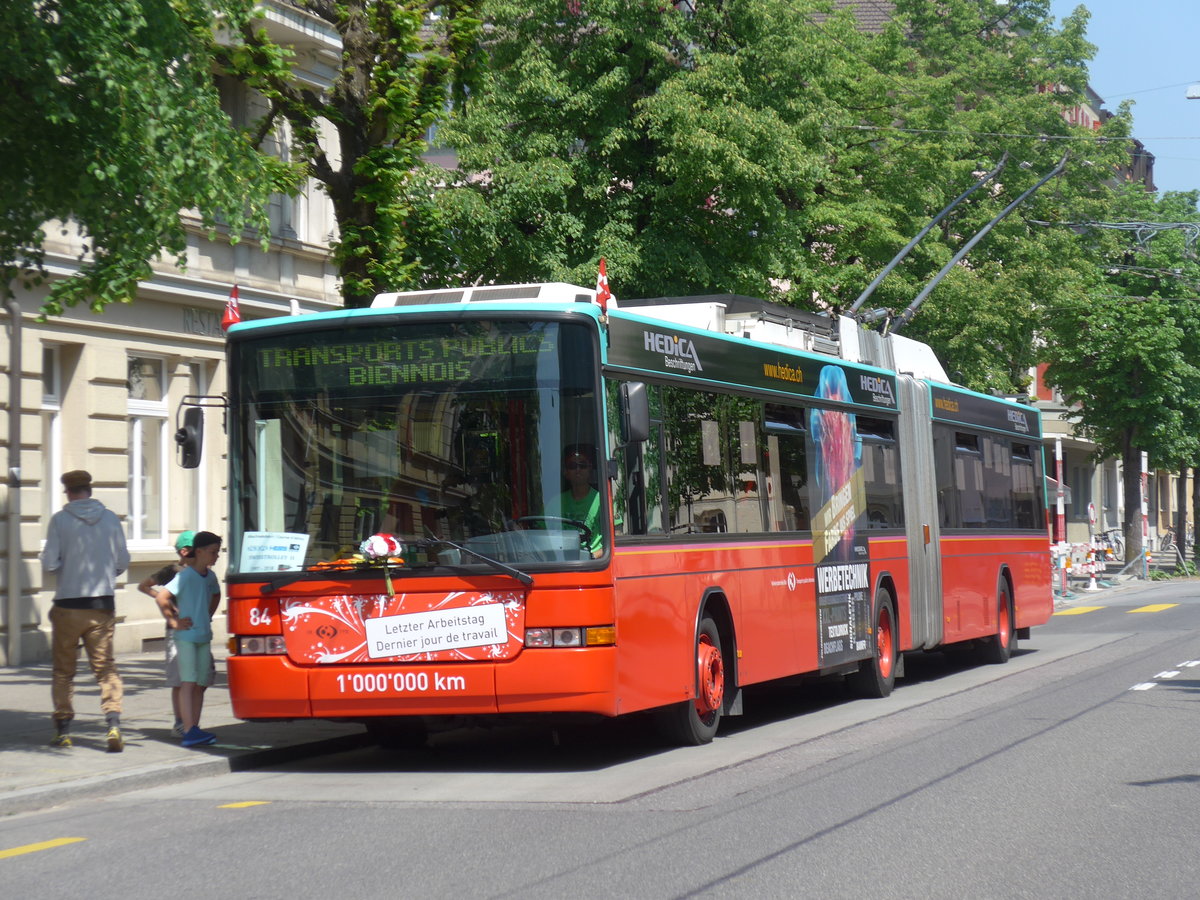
x: 604, y: 636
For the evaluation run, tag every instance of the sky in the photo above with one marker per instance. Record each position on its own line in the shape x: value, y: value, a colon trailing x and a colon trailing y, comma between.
x: 1147, y: 52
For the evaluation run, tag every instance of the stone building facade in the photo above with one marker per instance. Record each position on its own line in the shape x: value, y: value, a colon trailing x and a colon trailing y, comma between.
x: 102, y: 391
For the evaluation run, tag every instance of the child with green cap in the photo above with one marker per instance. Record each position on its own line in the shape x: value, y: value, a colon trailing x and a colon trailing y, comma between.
x: 188, y: 604
x: 149, y: 586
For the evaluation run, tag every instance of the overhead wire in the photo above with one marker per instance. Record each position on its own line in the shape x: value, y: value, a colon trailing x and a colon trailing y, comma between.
x: 1099, y: 139
x: 1165, y: 87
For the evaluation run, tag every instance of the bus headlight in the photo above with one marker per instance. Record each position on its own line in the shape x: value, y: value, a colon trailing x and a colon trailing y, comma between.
x: 568, y: 637
x: 266, y: 645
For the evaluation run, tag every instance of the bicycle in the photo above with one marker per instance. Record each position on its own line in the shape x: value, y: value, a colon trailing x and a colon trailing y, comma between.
x: 1112, y: 541
x: 1166, y: 540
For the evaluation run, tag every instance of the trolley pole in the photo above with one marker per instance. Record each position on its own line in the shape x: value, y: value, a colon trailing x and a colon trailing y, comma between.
x: 911, y: 311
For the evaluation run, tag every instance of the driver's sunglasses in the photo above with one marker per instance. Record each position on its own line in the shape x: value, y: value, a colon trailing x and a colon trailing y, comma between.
x: 579, y: 464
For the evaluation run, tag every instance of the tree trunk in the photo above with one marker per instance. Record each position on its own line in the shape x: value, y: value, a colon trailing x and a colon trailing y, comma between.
x: 1131, y: 480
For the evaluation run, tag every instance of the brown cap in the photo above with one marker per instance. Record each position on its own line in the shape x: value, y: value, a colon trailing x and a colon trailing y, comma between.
x: 76, y: 479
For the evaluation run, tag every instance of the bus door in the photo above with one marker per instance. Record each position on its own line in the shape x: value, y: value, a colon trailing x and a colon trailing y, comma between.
x: 922, y: 524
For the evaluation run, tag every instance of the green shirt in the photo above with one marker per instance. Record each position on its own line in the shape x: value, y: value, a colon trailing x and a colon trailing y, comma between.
x: 586, y: 511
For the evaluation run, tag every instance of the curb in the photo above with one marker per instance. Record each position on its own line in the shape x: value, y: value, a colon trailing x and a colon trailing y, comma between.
x: 45, y: 797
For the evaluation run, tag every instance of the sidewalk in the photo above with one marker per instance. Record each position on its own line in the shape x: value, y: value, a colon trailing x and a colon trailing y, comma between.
x: 1115, y: 576
x: 34, y: 775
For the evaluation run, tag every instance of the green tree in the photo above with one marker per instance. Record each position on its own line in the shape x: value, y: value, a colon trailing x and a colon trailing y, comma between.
x: 1126, y: 349
x: 110, y: 119
x: 980, y: 80
x: 402, y: 62
x: 772, y: 148
x: 685, y: 148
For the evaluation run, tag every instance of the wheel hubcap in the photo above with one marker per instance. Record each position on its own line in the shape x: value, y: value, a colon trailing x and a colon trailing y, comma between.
x: 885, y: 643
x: 711, y: 671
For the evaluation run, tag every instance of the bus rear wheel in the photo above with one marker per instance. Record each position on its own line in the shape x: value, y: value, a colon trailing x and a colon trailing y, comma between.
x: 695, y: 722
x: 876, y: 676
x: 999, y: 647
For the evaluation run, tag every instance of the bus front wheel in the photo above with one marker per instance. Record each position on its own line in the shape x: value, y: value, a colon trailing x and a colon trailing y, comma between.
x: 695, y: 721
x: 877, y: 676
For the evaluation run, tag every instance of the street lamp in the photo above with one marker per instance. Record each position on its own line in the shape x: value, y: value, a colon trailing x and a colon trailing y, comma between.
x: 1194, y: 92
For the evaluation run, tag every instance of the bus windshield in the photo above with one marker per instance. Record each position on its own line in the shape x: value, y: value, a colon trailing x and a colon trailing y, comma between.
x: 435, y: 434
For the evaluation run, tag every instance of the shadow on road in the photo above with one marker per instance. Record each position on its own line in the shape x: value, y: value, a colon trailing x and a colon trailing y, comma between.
x: 555, y: 746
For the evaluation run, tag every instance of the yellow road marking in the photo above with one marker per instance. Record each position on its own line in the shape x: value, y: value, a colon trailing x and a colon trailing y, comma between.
x: 1077, y: 610
x: 1154, y: 607
x: 243, y: 804
x: 34, y: 848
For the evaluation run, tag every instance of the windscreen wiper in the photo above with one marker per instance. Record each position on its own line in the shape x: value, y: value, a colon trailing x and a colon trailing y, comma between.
x: 285, y: 578
x: 524, y: 577
x: 293, y: 575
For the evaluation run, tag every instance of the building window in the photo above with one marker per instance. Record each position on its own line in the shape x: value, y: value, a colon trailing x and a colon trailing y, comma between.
x: 147, y: 411
x: 52, y: 393
x: 1079, y: 480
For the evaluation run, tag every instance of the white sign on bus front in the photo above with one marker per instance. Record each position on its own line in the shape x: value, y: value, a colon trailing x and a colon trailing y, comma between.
x: 429, y: 632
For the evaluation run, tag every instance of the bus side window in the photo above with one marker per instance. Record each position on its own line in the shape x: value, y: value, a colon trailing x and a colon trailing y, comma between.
x: 968, y: 480
x: 997, y: 482
x: 1023, y: 484
x: 949, y: 510
x: 637, y: 489
x: 786, y: 465
x: 881, y: 473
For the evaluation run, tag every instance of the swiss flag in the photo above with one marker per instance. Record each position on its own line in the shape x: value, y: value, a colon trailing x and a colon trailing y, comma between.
x: 603, y: 294
x: 233, y: 314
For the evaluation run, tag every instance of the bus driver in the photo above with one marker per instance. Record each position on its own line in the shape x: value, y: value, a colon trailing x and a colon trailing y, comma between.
x: 581, y: 501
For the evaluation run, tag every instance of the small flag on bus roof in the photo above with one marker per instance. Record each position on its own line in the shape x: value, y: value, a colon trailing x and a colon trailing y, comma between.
x: 603, y: 294
x: 233, y: 313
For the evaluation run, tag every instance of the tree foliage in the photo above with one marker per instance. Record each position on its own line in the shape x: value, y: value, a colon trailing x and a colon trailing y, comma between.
x: 1125, y: 350
x: 773, y: 148
x: 110, y: 119
x: 402, y: 62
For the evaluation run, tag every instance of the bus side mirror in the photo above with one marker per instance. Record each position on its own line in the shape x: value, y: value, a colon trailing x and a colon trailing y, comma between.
x: 635, y: 412
x: 190, y: 437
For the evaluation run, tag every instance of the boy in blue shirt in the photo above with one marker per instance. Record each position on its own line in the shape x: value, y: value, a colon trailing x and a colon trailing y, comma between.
x: 189, y: 601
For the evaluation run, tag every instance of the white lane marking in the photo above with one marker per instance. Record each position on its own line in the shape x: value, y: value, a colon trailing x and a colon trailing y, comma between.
x: 1189, y: 663
x: 1144, y: 686
x: 1168, y: 674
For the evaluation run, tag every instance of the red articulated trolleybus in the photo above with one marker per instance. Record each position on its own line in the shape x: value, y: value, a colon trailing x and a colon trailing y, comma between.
x: 504, y: 500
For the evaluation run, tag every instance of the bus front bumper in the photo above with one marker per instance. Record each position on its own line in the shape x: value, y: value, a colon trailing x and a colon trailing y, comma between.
x: 554, y: 680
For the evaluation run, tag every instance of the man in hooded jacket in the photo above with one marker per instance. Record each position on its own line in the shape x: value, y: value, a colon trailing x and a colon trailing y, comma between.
x: 86, y: 547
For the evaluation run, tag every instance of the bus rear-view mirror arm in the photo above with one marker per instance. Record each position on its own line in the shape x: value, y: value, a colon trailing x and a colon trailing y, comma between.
x: 189, y: 427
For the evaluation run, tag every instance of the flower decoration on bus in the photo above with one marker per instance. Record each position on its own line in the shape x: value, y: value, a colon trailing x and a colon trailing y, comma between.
x: 454, y: 626
x: 382, y: 547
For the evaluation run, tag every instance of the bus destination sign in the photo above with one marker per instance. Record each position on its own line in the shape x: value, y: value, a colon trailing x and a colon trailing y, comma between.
x: 380, y: 362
